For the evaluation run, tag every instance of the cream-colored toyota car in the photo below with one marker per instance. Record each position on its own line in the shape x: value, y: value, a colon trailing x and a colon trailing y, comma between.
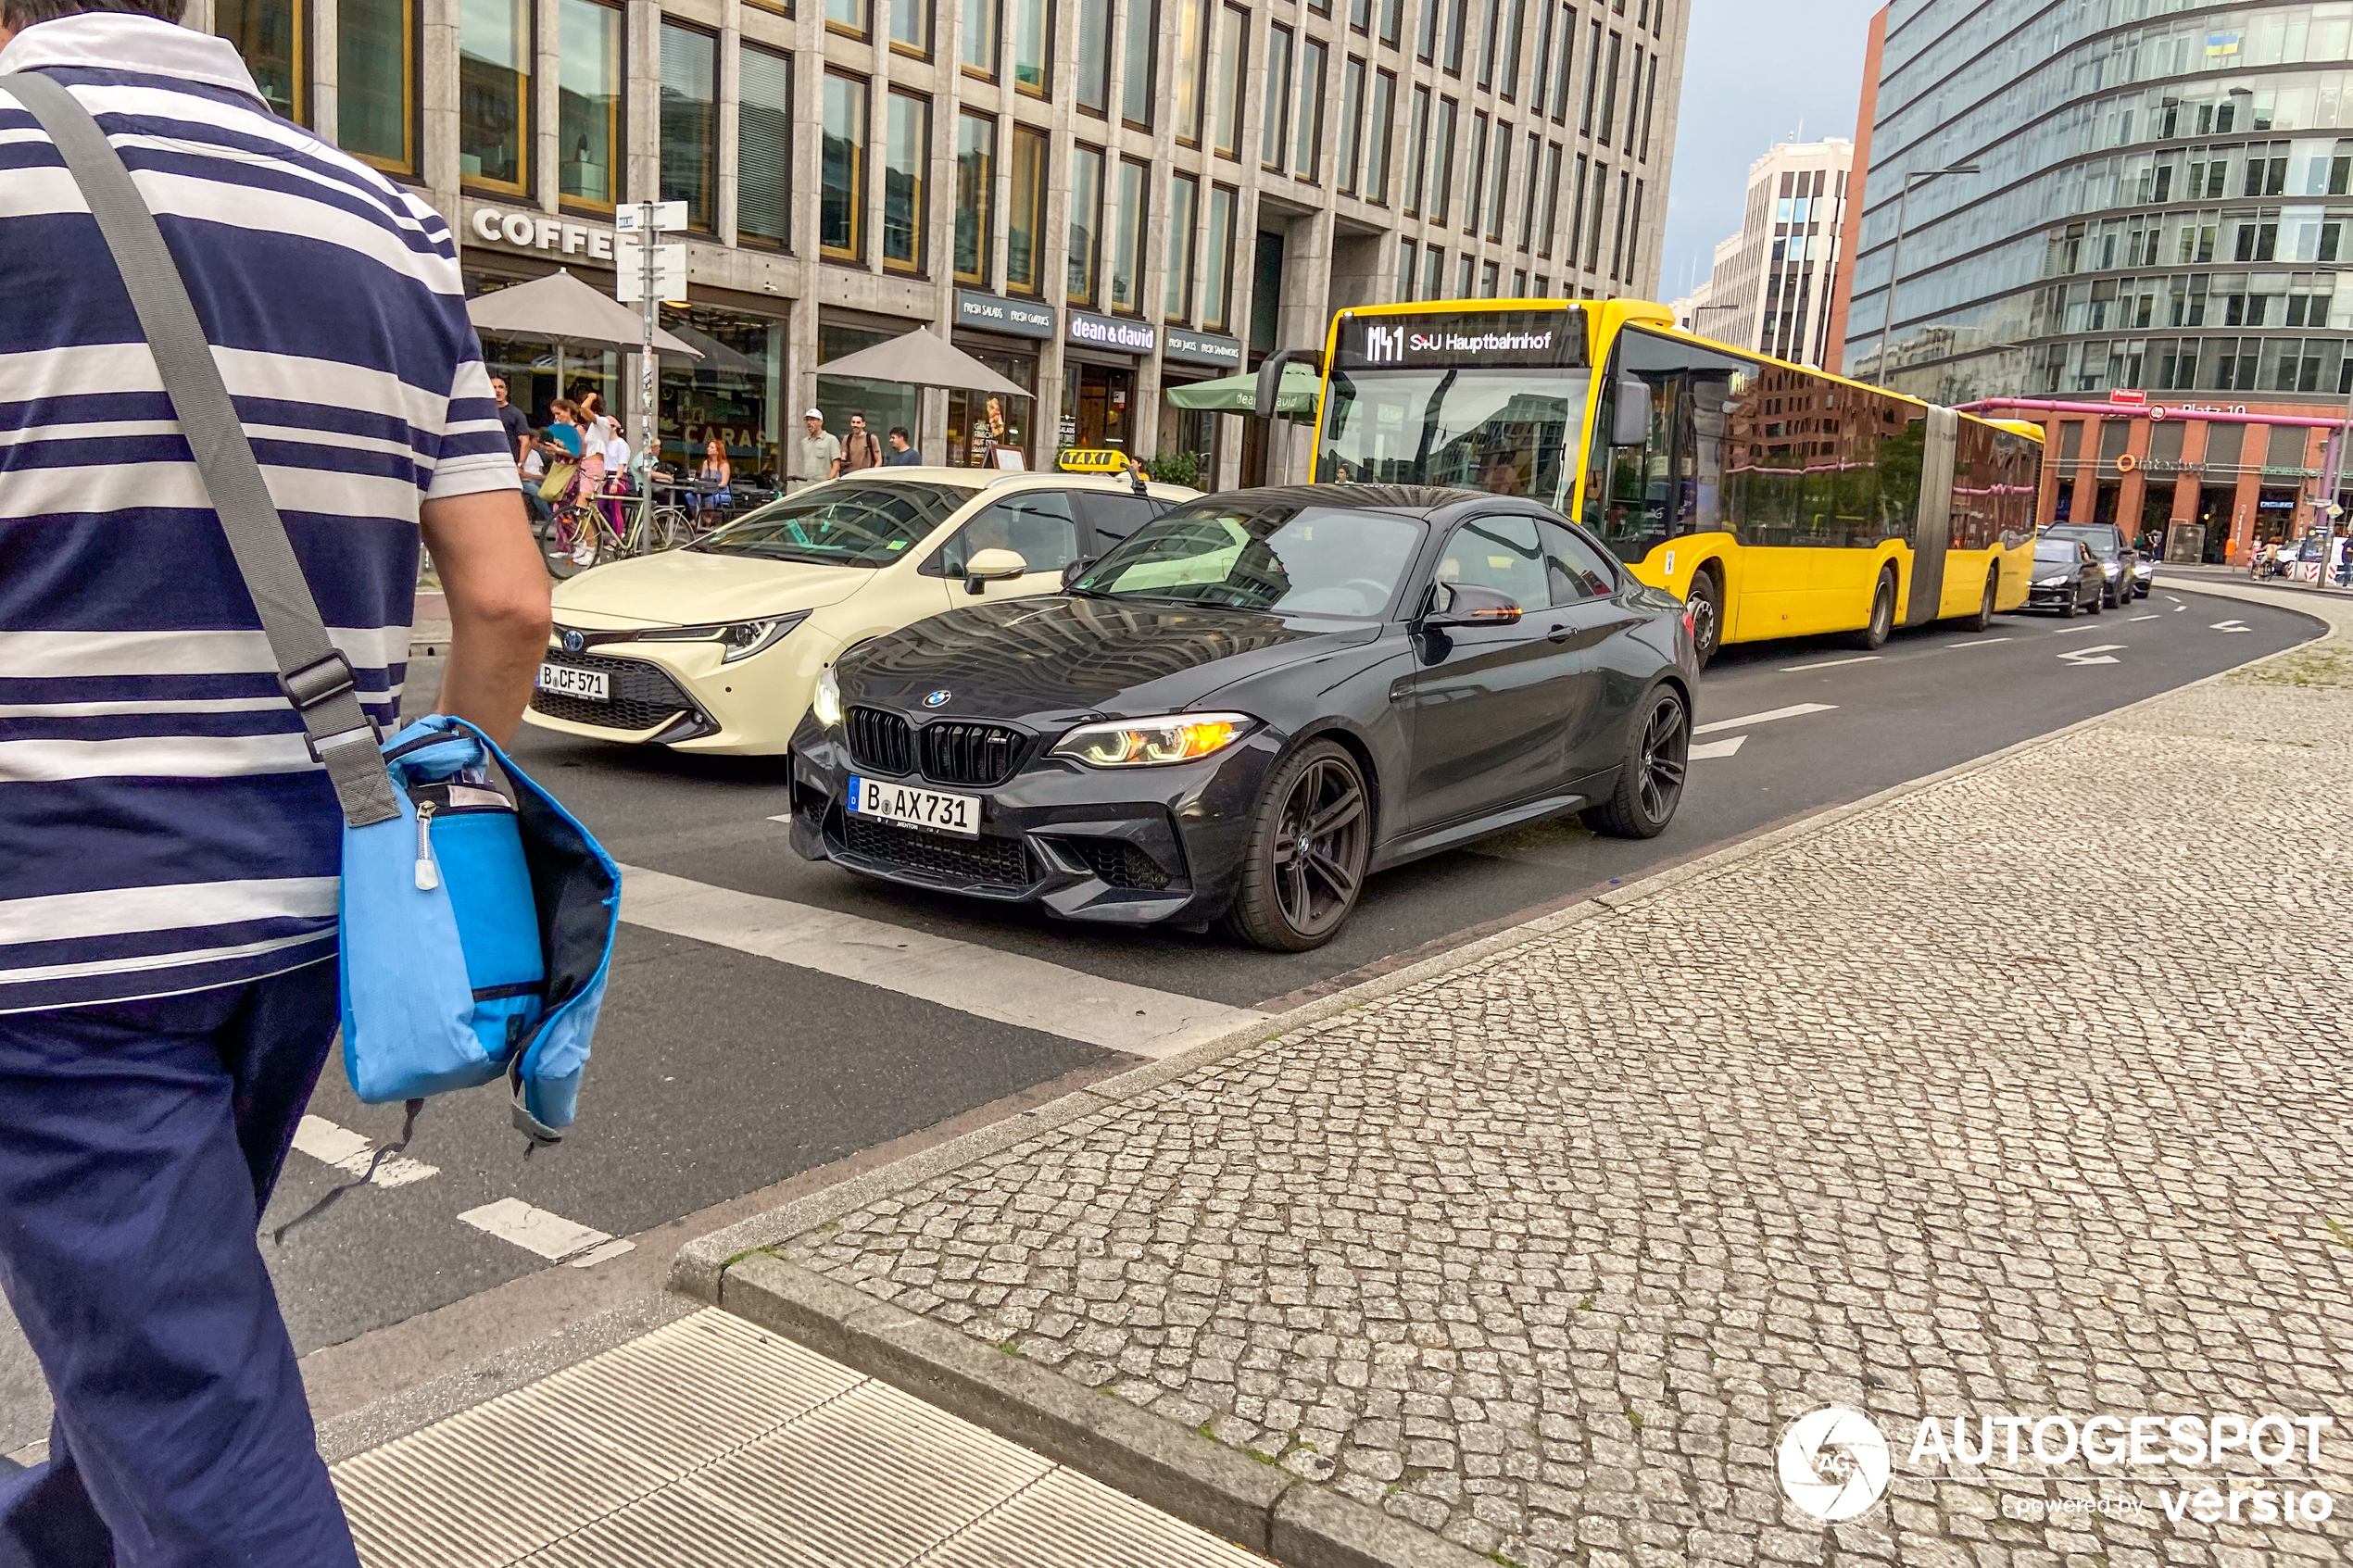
x: 716, y: 646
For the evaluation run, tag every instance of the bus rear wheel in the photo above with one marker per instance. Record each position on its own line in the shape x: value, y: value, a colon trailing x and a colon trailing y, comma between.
x: 1882, y: 621
x: 1983, y: 618
x: 1705, y: 605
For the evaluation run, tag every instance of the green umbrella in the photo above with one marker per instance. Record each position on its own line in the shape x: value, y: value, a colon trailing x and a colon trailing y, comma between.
x: 1238, y: 394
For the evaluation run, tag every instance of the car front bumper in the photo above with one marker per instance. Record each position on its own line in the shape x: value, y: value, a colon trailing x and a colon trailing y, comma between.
x: 2051, y: 598
x: 1133, y: 846
x: 685, y: 696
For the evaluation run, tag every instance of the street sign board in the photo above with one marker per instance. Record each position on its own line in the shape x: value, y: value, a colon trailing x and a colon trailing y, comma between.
x: 2122, y: 394
x: 631, y: 218
x: 628, y: 264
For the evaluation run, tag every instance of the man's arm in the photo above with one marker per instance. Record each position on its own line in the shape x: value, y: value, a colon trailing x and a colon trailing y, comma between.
x: 496, y: 584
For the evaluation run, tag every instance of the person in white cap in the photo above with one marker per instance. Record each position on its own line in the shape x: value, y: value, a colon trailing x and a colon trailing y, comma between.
x: 820, y: 450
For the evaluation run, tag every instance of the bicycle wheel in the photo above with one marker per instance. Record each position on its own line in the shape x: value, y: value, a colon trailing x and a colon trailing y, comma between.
x: 672, y: 527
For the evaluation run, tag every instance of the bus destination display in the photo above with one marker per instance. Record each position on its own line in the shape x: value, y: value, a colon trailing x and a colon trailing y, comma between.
x: 1504, y: 339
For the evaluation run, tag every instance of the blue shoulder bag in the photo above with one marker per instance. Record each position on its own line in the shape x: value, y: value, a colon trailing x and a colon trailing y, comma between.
x: 477, y: 915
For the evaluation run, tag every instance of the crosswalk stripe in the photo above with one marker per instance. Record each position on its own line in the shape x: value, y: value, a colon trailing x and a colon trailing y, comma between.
x: 1794, y: 710
x: 346, y: 1150
x: 551, y: 1236
x: 987, y: 982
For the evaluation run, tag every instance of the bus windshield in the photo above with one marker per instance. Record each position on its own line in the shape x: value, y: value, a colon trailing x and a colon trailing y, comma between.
x: 1506, y: 431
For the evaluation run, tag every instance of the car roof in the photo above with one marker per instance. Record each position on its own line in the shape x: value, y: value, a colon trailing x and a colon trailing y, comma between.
x: 1414, y: 501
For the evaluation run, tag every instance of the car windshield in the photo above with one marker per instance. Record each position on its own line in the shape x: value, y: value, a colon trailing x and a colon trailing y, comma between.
x: 863, y: 523
x: 2054, y: 552
x: 1505, y: 431
x: 1298, y: 559
x: 2101, y: 540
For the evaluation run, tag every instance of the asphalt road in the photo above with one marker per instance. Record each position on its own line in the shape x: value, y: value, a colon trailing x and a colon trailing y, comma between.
x: 722, y: 1068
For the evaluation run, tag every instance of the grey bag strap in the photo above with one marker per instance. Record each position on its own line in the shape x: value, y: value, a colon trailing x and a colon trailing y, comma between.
x: 313, y: 674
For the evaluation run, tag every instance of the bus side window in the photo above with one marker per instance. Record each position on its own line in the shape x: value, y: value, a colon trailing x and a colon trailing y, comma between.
x: 1700, y: 506
x: 1627, y: 493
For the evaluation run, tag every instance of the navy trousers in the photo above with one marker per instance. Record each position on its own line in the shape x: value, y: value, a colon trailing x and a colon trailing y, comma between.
x: 138, y: 1144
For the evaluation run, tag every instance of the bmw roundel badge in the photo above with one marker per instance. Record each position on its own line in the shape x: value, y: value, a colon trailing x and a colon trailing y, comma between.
x: 936, y: 699
x: 573, y: 641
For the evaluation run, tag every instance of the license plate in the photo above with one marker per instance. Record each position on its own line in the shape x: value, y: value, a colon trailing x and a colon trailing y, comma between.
x: 564, y: 680
x: 959, y: 814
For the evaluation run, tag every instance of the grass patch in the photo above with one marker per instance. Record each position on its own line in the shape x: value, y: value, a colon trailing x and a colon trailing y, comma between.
x: 2343, y: 1237
x: 1009, y: 1348
x: 1507, y: 1561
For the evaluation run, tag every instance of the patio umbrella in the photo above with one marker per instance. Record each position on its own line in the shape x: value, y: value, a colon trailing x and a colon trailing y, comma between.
x: 1238, y: 394
x: 716, y: 355
x: 561, y: 309
x: 921, y: 359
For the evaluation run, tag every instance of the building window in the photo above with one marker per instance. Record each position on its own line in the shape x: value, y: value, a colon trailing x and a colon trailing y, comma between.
x: 1609, y: 94
x: 1593, y: 215
x: 979, y: 43
x: 975, y: 186
x: 1471, y: 209
x: 1433, y: 273
x: 910, y: 27
x: 1519, y: 282
x: 1457, y: 19
x: 1576, y: 212
x: 1392, y: 22
x: 1426, y: 45
x: 1026, y: 220
x: 376, y: 82
x: 1378, y: 133
x: 1274, y: 135
x: 589, y: 98
x: 1650, y: 97
x: 1217, y: 289
x: 1416, y: 152
x: 849, y: 16
x: 1466, y: 266
x: 1308, y: 147
x: 763, y: 146
x: 1512, y: 39
x: 689, y: 120
x: 1487, y: 275
x: 906, y: 155
x: 1487, y: 45
x: 493, y: 94
x: 270, y: 36
x: 841, y: 202
x: 1536, y: 91
x: 1528, y: 203
x: 1085, y: 223
x: 1497, y: 190
x: 1552, y: 200
x: 1127, y: 239
x: 1093, y: 89
x: 1592, y: 78
x: 1185, y: 84
x: 1441, y: 162
x: 1137, y: 88
x: 1233, y: 44
x: 1032, y: 46
x: 1566, y: 74
x: 1360, y: 15
x: 1406, y: 269
x: 1351, y: 118
x: 1184, y: 201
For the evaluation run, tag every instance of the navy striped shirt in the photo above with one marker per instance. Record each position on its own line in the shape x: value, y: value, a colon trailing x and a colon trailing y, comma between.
x: 162, y: 827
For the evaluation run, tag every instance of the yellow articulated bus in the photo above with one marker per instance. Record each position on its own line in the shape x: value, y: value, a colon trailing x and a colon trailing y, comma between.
x: 1776, y: 500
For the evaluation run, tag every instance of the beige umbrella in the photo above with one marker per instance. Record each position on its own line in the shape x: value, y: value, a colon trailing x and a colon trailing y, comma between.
x: 559, y: 308
x: 921, y: 359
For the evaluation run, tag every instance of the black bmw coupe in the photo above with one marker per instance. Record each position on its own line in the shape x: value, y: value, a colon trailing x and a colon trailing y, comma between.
x: 1249, y: 706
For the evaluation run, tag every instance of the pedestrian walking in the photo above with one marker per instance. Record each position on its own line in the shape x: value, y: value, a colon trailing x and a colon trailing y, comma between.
x: 515, y: 421
x: 902, y: 451
x: 819, y: 448
x: 861, y: 450
x: 159, y: 1044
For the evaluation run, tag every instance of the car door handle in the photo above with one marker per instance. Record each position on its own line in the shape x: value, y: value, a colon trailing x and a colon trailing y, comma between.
x: 1400, y: 688
x: 1559, y: 634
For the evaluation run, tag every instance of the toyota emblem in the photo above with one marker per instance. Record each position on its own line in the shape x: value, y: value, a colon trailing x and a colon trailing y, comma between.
x: 936, y: 699
x: 573, y: 641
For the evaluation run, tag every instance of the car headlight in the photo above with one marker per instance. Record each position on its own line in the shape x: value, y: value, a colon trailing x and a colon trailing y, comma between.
x: 2111, y: 568
x: 738, y: 639
x: 2145, y: 569
x: 1150, y: 743
x: 2050, y: 581
x: 825, y: 701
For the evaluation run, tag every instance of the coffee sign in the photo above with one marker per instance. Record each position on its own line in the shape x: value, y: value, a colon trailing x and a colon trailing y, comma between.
x: 537, y: 232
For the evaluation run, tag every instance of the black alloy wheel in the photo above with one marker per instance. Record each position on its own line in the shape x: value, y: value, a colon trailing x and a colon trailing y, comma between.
x: 1304, y: 864
x: 2099, y: 602
x: 1650, y: 781
x: 1705, y: 603
x: 2074, y: 603
x: 1882, y: 621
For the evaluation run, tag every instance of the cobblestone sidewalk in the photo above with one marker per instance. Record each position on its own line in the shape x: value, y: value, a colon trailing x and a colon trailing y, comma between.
x: 2025, y: 1093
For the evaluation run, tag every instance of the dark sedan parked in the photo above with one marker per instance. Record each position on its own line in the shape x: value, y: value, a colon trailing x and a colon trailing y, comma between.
x: 1249, y: 705
x: 2067, y: 577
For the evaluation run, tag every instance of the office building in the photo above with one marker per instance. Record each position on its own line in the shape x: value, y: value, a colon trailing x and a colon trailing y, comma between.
x: 2151, y: 239
x: 1098, y: 200
x: 1770, y: 286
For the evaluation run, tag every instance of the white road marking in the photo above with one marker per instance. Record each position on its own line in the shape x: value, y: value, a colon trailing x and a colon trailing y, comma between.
x: 988, y: 982
x: 2074, y: 631
x: 1830, y: 664
x: 1794, y: 710
x: 2098, y: 653
x: 346, y: 1150
x: 2230, y: 626
x: 1972, y: 643
x: 783, y: 816
x: 2136, y: 620
x: 551, y: 1236
x: 2179, y: 606
x: 1708, y: 748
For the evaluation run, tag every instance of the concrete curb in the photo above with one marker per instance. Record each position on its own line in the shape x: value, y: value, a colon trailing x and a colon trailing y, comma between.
x: 1261, y: 1506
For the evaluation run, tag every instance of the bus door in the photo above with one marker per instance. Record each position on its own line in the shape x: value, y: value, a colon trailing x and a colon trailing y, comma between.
x: 1932, y: 535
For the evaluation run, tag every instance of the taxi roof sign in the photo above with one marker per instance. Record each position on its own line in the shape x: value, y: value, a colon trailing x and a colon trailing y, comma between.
x: 1093, y: 459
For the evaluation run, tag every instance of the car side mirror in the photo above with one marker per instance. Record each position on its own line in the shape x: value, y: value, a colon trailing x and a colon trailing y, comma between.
x: 992, y: 566
x: 1630, y: 418
x: 1073, y: 572
x: 1455, y: 605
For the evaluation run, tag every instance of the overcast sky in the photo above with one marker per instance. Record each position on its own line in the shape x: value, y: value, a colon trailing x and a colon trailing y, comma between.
x: 1755, y: 72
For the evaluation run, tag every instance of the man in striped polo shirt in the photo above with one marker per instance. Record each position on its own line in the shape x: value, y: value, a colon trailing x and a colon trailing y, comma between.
x: 168, y: 849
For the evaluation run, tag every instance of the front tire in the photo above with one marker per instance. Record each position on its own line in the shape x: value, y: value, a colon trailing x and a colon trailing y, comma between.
x: 1706, y: 605
x: 1882, y: 621
x: 1983, y: 620
x: 1304, y: 863
x: 2099, y: 605
x: 1650, y: 779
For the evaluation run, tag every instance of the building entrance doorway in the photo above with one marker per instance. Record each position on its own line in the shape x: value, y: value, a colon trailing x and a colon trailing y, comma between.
x: 2214, y: 503
x: 1096, y: 399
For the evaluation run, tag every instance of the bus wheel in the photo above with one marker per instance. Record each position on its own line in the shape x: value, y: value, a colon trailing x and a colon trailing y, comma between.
x: 1705, y: 603
x: 1983, y: 618
x: 1882, y: 614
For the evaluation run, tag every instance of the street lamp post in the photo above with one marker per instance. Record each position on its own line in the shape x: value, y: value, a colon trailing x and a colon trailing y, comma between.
x: 1896, y: 260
